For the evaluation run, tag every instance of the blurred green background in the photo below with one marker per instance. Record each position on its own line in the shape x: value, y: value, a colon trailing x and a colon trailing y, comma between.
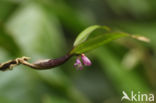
x: 47, y: 28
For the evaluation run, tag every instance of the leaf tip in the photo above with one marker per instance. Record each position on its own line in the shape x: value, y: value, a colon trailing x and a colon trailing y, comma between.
x: 141, y: 38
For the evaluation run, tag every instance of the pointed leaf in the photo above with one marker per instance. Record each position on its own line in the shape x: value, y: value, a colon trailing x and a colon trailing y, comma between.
x: 94, y: 37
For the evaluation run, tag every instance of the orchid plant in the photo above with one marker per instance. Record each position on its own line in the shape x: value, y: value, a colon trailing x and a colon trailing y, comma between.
x: 89, y: 39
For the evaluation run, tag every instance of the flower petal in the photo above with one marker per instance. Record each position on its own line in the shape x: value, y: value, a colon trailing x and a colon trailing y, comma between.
x: 78, y: 65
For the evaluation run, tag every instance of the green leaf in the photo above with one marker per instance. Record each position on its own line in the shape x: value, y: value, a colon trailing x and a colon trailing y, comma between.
x: 94, y: 37
x: 84, y: 35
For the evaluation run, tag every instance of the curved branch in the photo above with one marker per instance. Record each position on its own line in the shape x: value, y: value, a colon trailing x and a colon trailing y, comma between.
x: 39, y: 65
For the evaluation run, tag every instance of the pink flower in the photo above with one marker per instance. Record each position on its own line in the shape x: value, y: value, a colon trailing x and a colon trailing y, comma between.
x: 78, y: 65
x: 85, y: 60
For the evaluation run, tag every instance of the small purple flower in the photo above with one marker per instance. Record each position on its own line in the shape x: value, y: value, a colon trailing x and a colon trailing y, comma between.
x: 85, y: 60
x: 78, y: 65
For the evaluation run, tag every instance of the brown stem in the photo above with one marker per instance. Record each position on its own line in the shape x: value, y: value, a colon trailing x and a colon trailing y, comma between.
x: 39, y: 65
x: 50, y: 63
x: 7, y: 65
x: 11, y: 63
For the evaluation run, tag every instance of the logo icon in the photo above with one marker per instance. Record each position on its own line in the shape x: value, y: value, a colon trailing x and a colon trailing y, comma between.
x: 125, y: 96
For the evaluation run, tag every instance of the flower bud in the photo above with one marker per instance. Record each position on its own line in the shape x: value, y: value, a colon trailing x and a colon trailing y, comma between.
x: 85, y: 60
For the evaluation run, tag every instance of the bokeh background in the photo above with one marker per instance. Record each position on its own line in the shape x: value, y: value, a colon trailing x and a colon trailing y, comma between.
x: 47, y: 28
